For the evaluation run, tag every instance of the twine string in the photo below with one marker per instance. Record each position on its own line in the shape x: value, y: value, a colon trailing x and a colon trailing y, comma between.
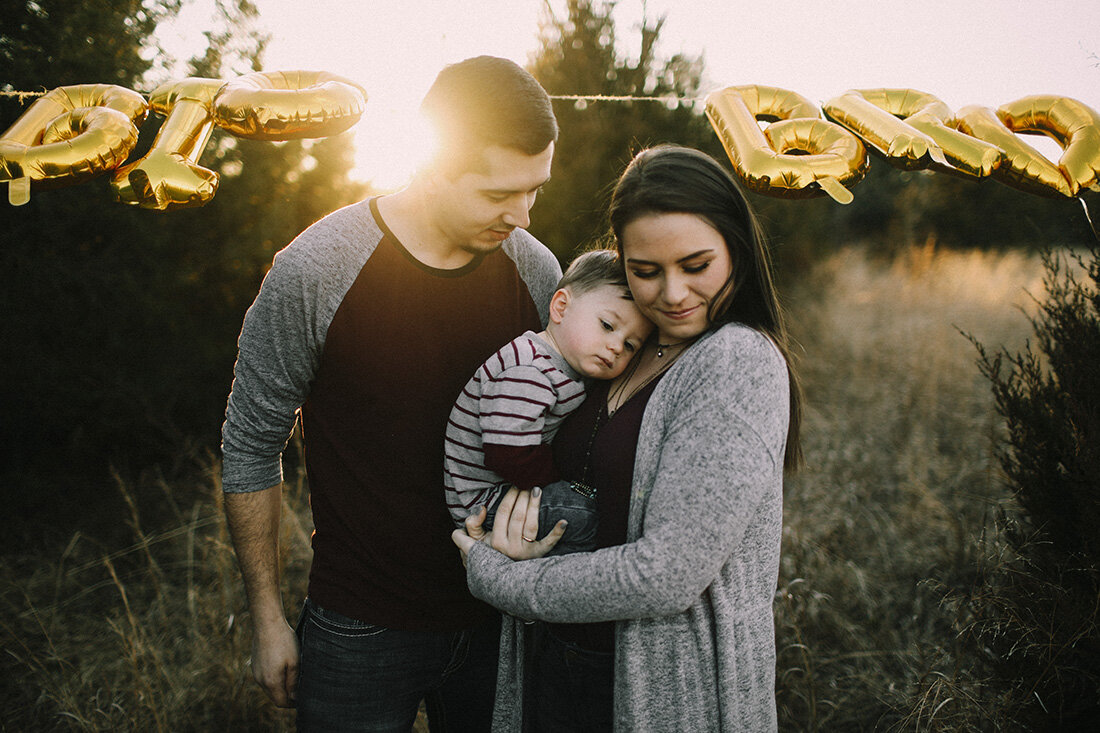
x: 23, y: 95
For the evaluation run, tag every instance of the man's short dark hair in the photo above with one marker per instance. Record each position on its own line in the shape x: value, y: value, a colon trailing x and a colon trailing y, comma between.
x: 485, y: 101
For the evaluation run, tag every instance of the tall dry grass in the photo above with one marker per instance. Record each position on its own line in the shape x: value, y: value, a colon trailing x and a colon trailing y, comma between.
x: 901, y: 481
x: 152, y: 637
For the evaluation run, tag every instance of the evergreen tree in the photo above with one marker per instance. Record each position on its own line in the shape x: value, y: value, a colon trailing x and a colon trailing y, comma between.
x: 984, y: 213
x: 49, y: 43
x: 579, y: 56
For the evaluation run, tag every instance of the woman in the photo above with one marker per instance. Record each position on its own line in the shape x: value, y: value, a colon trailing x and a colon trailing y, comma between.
x: 687, y: 451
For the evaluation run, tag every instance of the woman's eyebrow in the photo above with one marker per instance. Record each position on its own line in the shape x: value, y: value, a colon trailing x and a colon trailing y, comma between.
x: 635, y: 261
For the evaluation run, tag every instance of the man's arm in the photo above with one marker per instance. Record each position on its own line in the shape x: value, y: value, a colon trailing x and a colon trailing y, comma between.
x: 254, y: 525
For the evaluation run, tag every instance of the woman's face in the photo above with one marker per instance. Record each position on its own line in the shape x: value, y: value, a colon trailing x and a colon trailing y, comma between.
x: 676, y: 264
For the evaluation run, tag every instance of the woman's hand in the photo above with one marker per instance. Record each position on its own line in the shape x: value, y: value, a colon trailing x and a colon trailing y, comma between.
x: 517, y: 524
x: 514, y: 528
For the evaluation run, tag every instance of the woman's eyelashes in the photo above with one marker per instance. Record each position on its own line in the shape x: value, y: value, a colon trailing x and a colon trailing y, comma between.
x: 692, y: 269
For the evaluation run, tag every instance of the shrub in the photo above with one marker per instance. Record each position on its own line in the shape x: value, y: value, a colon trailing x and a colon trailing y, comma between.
x: 1032, y: 622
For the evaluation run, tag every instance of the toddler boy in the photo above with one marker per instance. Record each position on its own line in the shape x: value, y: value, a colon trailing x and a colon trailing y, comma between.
x: 501, y: 426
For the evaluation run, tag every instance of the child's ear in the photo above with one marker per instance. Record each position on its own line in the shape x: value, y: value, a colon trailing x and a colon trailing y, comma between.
x: 559, y: 301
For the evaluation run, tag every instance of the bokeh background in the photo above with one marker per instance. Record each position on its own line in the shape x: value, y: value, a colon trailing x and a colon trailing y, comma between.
x: 120, y: 603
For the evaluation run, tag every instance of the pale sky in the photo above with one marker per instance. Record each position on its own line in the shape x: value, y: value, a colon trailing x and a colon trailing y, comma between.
x: 985, y: 52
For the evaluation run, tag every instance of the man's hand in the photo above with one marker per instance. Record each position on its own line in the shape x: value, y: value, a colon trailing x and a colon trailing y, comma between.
x: 254, y: 525
x: 475, y: 524
x: 275, y: 661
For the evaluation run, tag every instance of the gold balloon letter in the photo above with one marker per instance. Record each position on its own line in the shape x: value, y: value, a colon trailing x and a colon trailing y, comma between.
x: 1024, y: 167
x: 69, y: 135
x: 795, y: 152
x: 1075, y: 126
x: 281, y: 105
x: 169, y: 176
x: 913, y: 130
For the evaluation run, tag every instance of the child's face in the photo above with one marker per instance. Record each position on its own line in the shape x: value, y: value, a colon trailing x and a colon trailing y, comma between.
x: 597, y: 332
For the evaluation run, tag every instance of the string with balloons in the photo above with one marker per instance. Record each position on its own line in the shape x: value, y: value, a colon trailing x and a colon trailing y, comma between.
x: 76, y: 132
x: 779, y: 143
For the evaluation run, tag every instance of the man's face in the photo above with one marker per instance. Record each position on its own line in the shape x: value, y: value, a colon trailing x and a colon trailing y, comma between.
x: 477, y: 209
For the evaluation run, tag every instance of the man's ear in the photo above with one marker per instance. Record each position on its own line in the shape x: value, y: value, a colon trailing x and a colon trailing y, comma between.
x: 559, y: 301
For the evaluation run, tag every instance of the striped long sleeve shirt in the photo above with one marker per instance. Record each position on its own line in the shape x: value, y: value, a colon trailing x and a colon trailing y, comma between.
x: 515, y: 400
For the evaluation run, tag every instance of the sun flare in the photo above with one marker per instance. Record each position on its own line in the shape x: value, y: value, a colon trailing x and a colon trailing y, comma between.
x: 399, y: 143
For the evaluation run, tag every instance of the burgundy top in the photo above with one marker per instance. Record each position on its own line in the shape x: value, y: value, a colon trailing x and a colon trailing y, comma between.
x: 399, y: 349
x: 610, y: 470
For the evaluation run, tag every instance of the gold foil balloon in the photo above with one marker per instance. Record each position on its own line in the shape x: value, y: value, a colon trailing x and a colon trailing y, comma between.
x: 913, y: 130
x: 1074, y: 125
x: 75, y: 132
x: 1024, y: 167
x: 798, y: 150
x: 169, y: 176
x: 69, y: 135
x: 967, y: 155
x: 281, y: 105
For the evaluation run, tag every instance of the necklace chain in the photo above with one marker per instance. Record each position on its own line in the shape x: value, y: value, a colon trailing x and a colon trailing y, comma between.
x: 620, y: 397
x: 605, y: 412
x: 582, y: 486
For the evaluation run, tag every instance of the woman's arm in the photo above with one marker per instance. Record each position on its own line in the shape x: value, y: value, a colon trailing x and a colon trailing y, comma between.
x: 724, y: 419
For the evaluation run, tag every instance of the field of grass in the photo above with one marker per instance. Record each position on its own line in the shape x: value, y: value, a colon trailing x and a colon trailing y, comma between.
x: 900, y: 485
x: 887, y: 517
x: 151, y: 637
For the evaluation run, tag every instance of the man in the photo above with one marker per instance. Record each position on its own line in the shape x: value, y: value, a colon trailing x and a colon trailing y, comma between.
x: 370, y: 322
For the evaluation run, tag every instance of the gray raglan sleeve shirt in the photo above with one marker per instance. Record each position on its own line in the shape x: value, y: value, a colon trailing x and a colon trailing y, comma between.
x: 283, y: 336
x: 279, y: 349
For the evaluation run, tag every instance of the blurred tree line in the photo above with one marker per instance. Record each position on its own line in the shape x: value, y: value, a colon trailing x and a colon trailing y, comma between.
x: 121, y: 323
x: 580, y: 54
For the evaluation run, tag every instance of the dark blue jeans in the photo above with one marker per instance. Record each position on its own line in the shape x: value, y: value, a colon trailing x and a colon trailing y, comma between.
x: 359, y: 677
x: 560, y: 501
x: 571, y: 688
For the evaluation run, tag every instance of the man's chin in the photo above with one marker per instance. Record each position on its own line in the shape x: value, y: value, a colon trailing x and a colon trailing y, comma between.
x: 482, y: 246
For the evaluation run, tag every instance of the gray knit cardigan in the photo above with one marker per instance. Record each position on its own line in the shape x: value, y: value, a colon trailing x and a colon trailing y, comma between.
x: 692, y: 588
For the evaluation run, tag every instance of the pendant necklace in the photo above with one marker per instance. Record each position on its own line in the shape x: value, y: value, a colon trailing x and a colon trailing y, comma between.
x: 605, y: 412
x: 661, y: 347
x: 619, y: 396
x: 581, y: 486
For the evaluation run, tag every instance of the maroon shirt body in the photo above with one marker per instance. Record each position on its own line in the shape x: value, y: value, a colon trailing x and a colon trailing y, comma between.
x: 605, y: 462
x: 402, y: 344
